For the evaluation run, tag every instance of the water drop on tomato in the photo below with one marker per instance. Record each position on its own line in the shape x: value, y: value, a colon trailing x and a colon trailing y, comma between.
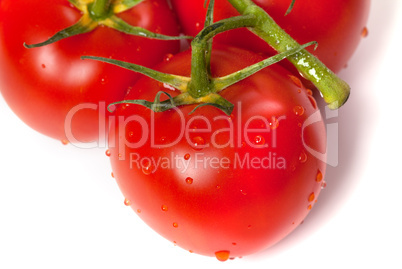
x: 189, y: 180
x: 64, y: 142
x: 319, y: 176
x: 222, y: 255
x: 198, y: 142
x: 311, y: 197
x: 298, y: 110
x: 365, y: 32
x: 303, y: 157
x: 259, y: 140
x: 127, y: 202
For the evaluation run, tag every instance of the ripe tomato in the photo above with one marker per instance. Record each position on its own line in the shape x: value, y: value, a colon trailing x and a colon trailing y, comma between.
x: 215, y: 184
x: 336, y: 25
x: 50, y: 86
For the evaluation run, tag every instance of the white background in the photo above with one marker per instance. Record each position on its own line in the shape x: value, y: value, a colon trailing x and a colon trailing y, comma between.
x: 60, y: 208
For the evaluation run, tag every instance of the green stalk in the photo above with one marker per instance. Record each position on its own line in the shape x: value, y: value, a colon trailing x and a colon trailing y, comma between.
x: 100, y: 9
x: 201, y: 88
x: 200, y: 81
x: 200, y: 84
x: 334, y: 90
x: 209, y: 20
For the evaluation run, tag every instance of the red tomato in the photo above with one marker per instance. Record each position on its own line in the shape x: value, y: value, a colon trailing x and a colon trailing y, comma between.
x: 50, y: 87
x: 215, y: 184
x: 336, y: 25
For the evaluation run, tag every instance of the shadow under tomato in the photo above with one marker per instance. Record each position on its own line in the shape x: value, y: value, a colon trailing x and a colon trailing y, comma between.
x: 354, y: 122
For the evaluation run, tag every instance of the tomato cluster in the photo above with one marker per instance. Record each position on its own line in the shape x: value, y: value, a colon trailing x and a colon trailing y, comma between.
x: 217, y: 184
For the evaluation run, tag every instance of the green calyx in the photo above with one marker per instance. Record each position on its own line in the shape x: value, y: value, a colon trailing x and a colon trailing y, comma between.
x: 202, y: 95
x: 103, y: 12
x: 201, y: 88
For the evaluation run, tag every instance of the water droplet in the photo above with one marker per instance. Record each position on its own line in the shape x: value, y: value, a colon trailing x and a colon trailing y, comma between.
x: 199, y: 142
x: 147, y: 170
x: 298, y: 110
x: 164, y: 208
x: 64, y: 142
x: 365, y: 32
x: 313, y: 101
x: 296, y: 81
x: 319, y: 176
x: 158, y: 30
x: 103, y: 81
x: 127, y: 202
x: 175, y: 224
x: 259, y: 140
x: 323, y: 185
x: 274, y: 123
x: 187, y: 157
x: 107, y: 152
x: 218, y: 187
x: 311, y: 197
x: 168, y: 57
x: 243, y: 192
x: 125, y: 106
x: 303, y: 157
x: 222, y: 255
x: 189, y: 180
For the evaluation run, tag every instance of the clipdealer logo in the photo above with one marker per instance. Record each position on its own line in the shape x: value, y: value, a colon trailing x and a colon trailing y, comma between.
x: 202, y: 161
x: 270, y: 161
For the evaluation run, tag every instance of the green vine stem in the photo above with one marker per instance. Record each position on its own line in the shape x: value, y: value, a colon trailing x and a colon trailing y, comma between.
x: 201, y: 88
x: 200, y: 83
x: 100, y: 9
x: 334, y: 90
x: 290, y: 7
x: 209, y: 97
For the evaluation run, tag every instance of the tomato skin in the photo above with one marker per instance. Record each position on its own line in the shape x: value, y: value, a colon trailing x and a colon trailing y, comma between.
x: 220, y: 202
x: 42, y: 85
x: 336, y: 25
